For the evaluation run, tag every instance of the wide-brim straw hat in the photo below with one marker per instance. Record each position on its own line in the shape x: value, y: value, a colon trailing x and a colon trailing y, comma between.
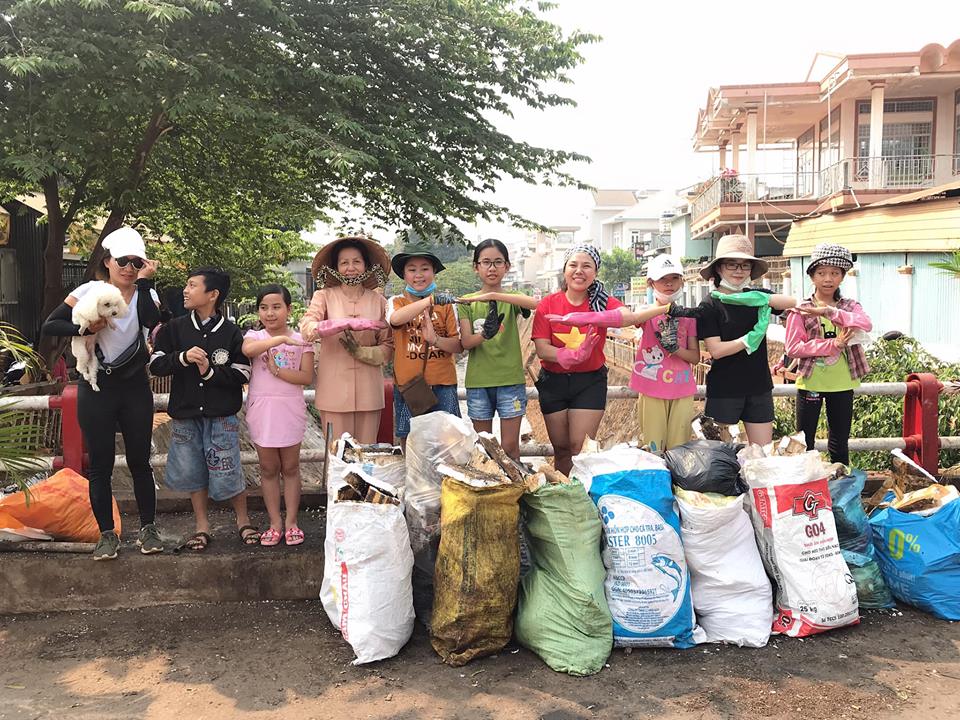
x: 326, y: 257
x: 736, y: 247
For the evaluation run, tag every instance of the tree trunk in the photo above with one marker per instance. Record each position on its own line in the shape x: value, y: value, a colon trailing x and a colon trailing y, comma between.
x: 50, y: 348
x: 158, y: 125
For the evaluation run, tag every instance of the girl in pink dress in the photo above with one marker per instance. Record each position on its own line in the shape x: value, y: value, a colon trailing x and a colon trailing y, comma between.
x: 282, y: 363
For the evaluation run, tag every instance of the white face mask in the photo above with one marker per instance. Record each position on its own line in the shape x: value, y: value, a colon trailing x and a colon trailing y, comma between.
x: 734, y: 288
x: 667, y: 299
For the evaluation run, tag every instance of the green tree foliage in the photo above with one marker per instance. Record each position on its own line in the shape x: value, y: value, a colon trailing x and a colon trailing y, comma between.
x: 618, y: 266
x: 951, y: 264
x: 218, y: 123
x: 892, y: 361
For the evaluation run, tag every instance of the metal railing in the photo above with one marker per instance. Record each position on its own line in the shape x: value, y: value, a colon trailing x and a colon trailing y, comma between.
x: 920, y: 437
x: 890, y: 172
x: 754, y: 187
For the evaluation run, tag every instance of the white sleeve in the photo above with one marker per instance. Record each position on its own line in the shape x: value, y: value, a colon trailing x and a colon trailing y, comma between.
x: 81, y: 290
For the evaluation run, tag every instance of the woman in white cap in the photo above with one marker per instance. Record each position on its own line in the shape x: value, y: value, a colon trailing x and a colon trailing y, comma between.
x: 823, y: 337
x: 347, y: 316
x: 733, y: 322
x: 125, y: 399
x: 569, y: 332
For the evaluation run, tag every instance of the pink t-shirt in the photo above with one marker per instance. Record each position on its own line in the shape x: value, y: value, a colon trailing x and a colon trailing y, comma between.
x: 657, y: 373
x: 262, y: 381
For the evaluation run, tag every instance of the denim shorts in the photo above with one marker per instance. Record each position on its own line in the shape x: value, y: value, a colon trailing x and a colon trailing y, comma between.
x: 204, y: 454
x: 446, y: 401
x: 508, y: 401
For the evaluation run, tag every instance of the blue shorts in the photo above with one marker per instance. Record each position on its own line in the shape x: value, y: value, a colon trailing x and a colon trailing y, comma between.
x: 446, y: 401
x: 204, y: 454
x: 508, y: 401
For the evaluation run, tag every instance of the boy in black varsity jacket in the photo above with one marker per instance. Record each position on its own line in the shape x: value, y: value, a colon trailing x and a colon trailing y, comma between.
x: 202, y: 351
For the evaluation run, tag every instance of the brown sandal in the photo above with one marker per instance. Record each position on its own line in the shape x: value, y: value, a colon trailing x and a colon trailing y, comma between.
x: 250, y: 538
x: 196, y: 543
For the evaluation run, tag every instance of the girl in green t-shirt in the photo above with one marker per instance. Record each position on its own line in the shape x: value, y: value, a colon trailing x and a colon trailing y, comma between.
x: 488, y: 330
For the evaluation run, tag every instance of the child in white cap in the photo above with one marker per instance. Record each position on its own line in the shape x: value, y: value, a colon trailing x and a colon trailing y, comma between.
x: 663, y: 372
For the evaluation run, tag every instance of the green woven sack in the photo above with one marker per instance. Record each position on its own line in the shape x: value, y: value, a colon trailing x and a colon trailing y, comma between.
x: 562, y: 613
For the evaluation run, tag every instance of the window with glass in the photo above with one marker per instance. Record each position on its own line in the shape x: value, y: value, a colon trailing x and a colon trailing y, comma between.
x: 829, y: 149
x: 907, y: 144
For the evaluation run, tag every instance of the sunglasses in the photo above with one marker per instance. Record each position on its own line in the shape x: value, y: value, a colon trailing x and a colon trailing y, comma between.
x: 135, y: 261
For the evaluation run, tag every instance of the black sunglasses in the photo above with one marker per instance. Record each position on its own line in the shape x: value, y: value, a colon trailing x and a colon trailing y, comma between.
x: 135, y: 261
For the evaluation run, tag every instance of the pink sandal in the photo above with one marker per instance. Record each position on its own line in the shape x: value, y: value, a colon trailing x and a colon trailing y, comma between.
x: 293, y: 536
x: 270, y: 537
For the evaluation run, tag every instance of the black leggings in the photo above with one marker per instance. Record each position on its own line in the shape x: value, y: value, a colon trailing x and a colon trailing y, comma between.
x: 127, y: 405
x: 839, y: 418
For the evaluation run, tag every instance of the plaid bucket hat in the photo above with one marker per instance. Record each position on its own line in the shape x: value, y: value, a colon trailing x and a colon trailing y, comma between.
x: 829, y: 254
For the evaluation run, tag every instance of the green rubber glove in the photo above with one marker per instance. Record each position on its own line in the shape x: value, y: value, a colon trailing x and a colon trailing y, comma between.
x: 750, y: 298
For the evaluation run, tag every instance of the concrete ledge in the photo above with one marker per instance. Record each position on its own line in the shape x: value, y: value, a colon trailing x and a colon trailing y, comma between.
x: 225, y: 572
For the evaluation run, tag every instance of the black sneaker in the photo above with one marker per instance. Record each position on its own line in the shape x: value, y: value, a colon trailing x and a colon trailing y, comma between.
x: 148, y: 540
x: 107, y: 546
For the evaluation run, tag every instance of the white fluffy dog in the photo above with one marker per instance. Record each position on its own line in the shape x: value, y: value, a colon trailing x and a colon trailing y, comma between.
x: 103, y: 301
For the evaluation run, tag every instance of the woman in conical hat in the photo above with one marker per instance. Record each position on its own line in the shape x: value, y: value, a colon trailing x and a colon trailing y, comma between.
x: 346, y: 316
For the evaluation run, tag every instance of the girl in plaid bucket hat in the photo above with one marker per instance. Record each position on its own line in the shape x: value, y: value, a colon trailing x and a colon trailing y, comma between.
x: 826, y: 335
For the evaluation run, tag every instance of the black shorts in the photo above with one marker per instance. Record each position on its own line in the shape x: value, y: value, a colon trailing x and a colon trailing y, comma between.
x: 572, y: 391
x: 750, y: 408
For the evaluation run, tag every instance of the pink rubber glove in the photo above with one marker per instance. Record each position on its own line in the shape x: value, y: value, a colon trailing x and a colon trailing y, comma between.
x: 569, y: 359
x: 364, y: 324
x: 326, y: 328
x: 605, y: 319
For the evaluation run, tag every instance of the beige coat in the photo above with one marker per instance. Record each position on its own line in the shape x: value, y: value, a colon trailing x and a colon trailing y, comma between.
x: 343, y: 383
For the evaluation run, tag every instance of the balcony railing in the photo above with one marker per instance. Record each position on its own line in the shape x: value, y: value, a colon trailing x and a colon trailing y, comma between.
x: 903, y: 172
x: 755, y: 187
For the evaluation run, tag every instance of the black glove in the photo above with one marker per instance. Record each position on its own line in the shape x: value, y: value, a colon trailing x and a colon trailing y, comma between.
x: 667, y: 335
x: 679, y: 311
x: 491, y: 326
x: 442, y: 298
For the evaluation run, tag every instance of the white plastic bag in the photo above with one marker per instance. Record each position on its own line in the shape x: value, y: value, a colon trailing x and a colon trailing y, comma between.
x: 435, y: 439
x: 366, y: 589
x: 732, y: 596
x: 793, y: 519
x: 616, y: 459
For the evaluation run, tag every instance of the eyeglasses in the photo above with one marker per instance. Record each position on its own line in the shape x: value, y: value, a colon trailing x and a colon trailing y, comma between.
x: 737, y: 266
x: 487, y: 264
x: 135, y: 261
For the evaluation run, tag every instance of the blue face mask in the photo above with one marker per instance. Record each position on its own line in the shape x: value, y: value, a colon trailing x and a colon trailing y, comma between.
x: 429, y: 290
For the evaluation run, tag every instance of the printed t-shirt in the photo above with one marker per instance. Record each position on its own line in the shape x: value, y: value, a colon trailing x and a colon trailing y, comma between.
x: 263, y: 383
x: 498, y: 361
x: 659, y: 374
x: 740, y: 374
x: 409, y: 346
x: 566, y: 335
x: 112, y: 341
x: 829, y: 374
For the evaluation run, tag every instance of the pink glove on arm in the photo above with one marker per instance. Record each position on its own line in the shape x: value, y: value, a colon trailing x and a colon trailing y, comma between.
x: 364, y: 324
x: 605, y: 319
x: 569, y: 359
x: 326, y: 328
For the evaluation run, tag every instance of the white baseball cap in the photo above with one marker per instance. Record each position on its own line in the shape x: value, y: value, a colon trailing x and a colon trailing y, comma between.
x: 125, y: 242
x: 662, y: 265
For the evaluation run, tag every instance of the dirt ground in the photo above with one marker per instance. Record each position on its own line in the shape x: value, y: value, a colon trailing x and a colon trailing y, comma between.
x: 284, y: 660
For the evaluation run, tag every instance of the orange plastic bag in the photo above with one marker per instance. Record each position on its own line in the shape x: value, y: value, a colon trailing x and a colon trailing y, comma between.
x: 59, y: 509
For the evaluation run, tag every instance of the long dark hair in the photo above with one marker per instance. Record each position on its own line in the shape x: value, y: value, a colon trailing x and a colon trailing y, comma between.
x: 274, y: 289
x: 491, y: 243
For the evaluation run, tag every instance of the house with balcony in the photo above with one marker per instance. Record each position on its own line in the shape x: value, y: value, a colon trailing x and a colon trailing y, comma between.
x: 873, y: 126
x: 540, y: 261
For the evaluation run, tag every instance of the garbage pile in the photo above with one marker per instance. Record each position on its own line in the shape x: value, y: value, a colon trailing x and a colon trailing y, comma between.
x: 716, y: 541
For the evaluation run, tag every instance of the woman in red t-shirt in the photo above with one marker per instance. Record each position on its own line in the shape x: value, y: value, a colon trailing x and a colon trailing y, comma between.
x: 569, y: 332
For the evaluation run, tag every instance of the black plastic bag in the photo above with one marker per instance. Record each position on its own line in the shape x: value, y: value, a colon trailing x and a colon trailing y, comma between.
x: 706, y: 466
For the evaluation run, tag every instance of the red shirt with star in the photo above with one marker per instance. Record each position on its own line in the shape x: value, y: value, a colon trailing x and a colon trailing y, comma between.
x: 564, y: 335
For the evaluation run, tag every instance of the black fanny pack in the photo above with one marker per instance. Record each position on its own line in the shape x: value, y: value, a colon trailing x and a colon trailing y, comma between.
x: 133, y: 359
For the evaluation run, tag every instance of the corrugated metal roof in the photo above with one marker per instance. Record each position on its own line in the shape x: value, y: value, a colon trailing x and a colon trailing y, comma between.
x: 914, y: 226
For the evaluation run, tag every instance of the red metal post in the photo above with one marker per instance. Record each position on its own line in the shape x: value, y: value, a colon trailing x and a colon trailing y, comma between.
x: 385, y: 432
x: 71, y: 438
x: 921, y: 410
